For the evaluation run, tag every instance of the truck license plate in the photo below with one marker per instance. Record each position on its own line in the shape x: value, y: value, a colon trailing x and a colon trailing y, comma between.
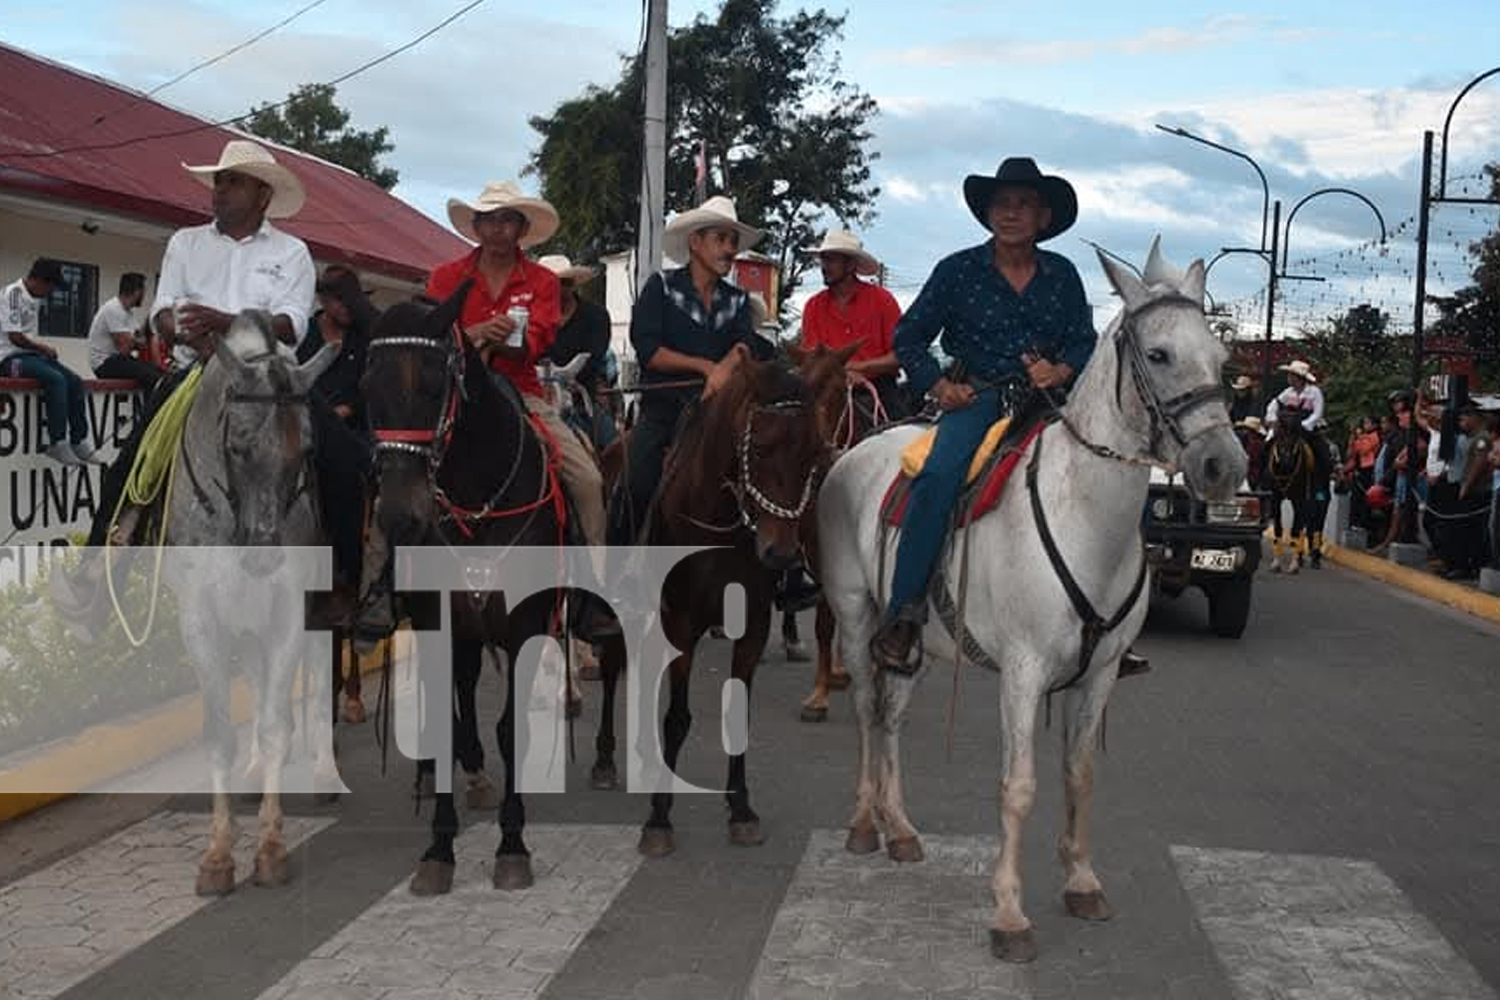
x: 1214, y: 560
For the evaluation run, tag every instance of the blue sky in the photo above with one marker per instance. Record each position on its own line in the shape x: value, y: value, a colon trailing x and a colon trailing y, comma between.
x: 1332, y: 94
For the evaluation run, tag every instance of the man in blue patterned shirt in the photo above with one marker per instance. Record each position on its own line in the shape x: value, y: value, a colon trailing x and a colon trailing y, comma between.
x: 1012, y: 317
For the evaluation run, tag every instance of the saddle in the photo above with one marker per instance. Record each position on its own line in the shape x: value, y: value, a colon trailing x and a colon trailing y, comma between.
x: 1006, y: 443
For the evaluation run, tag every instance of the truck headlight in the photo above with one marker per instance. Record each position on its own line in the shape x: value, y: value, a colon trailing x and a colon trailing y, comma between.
x: 1161, y: 508
x: 1241, y: 510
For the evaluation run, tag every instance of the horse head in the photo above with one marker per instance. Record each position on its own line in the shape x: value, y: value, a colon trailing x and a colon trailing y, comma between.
x: 414, y: 382
x: 267, y: 433
x: 1175, y: 404
x: 827, y: 376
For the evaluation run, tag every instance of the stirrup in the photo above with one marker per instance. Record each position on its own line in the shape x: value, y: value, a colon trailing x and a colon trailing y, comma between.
x: 906, y: 665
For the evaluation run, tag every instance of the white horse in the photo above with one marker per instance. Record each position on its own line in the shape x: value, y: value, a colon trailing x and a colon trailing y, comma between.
x: 1061, y: 550
x: 243, y: 492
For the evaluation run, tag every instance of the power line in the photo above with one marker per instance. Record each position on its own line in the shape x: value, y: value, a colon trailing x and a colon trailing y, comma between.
x: 205, y: 126
x: 205, y: 64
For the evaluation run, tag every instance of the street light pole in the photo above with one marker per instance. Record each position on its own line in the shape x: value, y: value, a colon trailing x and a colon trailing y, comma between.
x: 1264, y: 187
x: 1265, y: 364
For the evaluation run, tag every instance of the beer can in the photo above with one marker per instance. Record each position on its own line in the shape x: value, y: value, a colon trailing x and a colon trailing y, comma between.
x: 520, y: 315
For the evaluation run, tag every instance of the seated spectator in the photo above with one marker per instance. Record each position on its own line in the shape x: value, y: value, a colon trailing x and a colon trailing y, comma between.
x: 114, y: 337
x: 22, y: 355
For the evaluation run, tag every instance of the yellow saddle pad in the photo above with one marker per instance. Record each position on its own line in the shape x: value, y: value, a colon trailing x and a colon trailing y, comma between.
x: 914, y: 455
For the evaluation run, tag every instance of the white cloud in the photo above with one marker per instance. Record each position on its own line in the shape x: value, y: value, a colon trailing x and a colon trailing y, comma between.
x: 904, y: 190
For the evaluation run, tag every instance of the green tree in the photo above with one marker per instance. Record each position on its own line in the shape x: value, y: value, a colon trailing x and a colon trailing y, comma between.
x: 312, y: 121
x: 785, y: 135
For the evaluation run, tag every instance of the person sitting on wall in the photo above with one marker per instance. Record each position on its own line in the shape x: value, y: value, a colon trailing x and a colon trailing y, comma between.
x: 22, y: 355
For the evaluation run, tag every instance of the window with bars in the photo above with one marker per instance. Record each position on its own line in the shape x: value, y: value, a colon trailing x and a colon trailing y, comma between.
x: 70, y: 308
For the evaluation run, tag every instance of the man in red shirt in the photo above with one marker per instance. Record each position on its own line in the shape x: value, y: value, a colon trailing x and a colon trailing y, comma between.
x: 849, y: 310
x: 504, y: 222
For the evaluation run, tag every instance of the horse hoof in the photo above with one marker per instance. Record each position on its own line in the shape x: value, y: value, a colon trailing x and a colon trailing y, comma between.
x: 746, y: 833
x: 838, y: 680
x: 588, y: 672
x: 481, y: 793
x: 512, y: 872
x: 1013, y: 946
x: 814, y: 713
x: 656, y: 842
x: 354, y: 711
x: 604, y: 778
x: 575, y: 708
x: 905, y: 850
x: 1087, y: 905
x: 271, y: 867
x: 862, y: 840
x: 215, y: 878
x: 432, y: 878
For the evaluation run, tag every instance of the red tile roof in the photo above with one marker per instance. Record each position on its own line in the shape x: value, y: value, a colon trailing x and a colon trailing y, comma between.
x: 49, y: 107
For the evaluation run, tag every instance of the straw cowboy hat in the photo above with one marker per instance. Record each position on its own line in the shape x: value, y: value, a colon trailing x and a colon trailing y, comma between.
x: 1250, y: 424
x: 1241, y: 382
x: 1299, y: 368
x: 241, y: 156
x: 846, y: 243
x: 715, y: 212
x: 498, y: 195
x: 1057, y: 194
x: 566, y: 270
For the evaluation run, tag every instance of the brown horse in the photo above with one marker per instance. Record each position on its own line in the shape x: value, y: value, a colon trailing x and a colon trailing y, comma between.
x: 848, y: 410
x: 740, y: 478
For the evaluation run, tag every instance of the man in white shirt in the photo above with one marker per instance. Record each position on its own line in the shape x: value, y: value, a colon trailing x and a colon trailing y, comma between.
x: 22, y: 355
x: 209, y: 274
x: 112, y: 336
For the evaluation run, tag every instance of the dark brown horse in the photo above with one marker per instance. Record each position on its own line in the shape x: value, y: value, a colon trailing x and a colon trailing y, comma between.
x: 461, y: 466
x: 741, y: 478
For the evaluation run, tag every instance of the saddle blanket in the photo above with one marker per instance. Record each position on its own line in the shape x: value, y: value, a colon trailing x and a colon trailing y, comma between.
x: 988, y: 474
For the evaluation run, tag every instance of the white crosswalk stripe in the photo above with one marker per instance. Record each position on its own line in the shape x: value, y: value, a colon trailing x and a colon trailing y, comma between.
x: 1298, y: 927
x: 476, y: 943
x: 62, y: 924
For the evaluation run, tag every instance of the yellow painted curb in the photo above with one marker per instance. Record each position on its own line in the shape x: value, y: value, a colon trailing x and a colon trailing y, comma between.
x: 104, y: 752
x: 1454, y: 595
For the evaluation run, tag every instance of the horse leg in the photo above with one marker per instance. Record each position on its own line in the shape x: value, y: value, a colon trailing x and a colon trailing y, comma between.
x: 656, y: 838
x: 1278, y: 547
x: 604, y: 776
x: 744, y: 824
x: 838, y: 677
x: 1082, y: 893
x: 1011, y: 937
x: 481, y: 794
x: 854, y: 640
x: 216, y: 870
x: 274, y: 724
x: 354, y: 706
x: 815, y: 705
x: 324, y: 690
x: 512, y: 859
x: 901, y: 840
x: 792, y: 639
x: 434, y: 874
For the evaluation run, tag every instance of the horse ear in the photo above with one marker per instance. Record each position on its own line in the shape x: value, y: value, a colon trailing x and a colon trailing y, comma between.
x: 450, y: 310
x: 1194, y: 281
x: 797, y: 353
x: 848, y: 351
x: 1129, y: 287
x: 307, y: 373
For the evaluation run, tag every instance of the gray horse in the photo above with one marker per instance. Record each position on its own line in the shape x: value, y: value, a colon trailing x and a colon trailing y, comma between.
x: 242, y: 503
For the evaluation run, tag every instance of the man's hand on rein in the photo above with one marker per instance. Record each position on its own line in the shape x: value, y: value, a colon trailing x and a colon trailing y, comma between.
x: 1046, y: 374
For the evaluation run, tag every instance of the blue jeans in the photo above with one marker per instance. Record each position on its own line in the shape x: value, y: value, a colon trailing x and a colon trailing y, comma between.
x: 933, y: 495
x: 62, y: 392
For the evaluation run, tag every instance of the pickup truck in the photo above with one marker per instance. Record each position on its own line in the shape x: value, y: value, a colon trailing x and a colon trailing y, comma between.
x: 1214, y: 546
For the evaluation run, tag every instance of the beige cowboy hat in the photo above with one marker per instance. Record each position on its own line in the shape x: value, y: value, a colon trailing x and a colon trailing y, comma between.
x: 1241, y: 382
x: 241, y: 156
x: 566, y: 270
x: 1250, y: 424
x: 1299, y: 368
x: 842, y: 241
x: 713, y: 213
x: 498, y: 195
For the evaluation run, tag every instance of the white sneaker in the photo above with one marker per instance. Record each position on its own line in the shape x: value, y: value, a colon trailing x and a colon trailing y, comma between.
x: 61, y: 451
x: 85, y: 451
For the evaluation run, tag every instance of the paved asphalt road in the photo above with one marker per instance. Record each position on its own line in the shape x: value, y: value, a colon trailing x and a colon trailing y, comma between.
x: 1310, y: 811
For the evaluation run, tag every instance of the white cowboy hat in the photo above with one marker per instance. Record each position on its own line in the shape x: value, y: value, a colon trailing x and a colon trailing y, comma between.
x: 245, y: 157
x: 716, y: 211
x: 1299, y: 368
x: 566, y: 270
x: 1241, y: 382
x: 504, y: 194
x: 844, y: 242
x: 1250, y: 424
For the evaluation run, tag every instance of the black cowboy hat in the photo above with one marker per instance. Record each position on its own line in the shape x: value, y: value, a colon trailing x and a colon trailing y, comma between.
x: 1057, y: 193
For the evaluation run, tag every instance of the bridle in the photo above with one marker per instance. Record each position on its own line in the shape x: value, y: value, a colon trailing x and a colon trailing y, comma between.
x: 428, y: 443
x: 746, y: 489
x: 279, y: 398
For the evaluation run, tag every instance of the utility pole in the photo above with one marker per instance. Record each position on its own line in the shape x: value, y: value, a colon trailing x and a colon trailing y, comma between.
x: 1266, y: 393
x: 654, y: 155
